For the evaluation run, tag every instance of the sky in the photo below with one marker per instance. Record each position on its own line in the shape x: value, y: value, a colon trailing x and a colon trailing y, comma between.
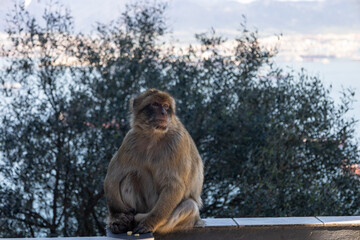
x: 325, y: 29
x: 321, y: 35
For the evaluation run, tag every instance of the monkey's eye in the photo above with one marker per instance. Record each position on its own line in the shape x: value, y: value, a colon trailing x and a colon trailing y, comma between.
x: 155, y: 104
x: 166, y: 106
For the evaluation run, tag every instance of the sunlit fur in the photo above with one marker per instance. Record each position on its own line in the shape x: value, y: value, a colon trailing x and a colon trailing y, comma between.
x: 155, y: 179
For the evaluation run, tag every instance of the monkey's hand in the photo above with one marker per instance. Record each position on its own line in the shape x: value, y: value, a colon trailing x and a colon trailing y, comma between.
x: 143, y: 227
x: 121, y: 222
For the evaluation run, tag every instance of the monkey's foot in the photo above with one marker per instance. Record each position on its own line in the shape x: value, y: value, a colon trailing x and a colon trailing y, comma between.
x: 121, y: 222
x: 143, y: 228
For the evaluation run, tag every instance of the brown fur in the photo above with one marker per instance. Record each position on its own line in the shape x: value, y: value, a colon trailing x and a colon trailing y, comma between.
x: 155, y: 179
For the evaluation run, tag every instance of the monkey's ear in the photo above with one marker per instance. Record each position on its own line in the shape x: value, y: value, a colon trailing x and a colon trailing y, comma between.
x: 173, y: 105
x: 134, y: 103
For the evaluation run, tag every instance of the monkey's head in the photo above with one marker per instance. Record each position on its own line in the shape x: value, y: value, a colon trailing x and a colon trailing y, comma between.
x: 152, y: 110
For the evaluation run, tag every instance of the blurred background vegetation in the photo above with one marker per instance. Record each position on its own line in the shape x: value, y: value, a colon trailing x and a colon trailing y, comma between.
x: 273, y: 143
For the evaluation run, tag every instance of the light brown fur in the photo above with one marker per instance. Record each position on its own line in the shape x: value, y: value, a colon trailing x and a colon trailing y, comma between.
x: 155, y: 179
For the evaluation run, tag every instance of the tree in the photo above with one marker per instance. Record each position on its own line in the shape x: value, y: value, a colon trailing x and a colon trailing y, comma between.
x: 43, y: 133
x: 55, y: 150
x: 273, y: 143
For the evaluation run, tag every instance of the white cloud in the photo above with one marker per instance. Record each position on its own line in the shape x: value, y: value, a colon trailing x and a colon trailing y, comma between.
x: 27, y: 3
x: 251, y: 1
x: 245, y: 1
x: 300, y: 0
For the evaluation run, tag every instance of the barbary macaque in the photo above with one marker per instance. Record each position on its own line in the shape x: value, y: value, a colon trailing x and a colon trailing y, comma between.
x: 154, y: 181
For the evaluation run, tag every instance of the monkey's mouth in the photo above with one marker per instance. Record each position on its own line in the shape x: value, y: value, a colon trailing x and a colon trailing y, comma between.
x: 161, y: 124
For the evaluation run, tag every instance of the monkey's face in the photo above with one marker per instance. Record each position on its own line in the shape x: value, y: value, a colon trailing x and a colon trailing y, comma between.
x: 159, y: 115
x: 153, y: 110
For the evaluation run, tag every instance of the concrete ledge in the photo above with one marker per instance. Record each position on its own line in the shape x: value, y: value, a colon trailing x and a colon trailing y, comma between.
x: 282, y: 221
x: 340, y: 221
x: 294, y: 228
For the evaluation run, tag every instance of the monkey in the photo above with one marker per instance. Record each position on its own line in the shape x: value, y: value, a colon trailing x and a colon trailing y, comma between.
x: 154, y: 181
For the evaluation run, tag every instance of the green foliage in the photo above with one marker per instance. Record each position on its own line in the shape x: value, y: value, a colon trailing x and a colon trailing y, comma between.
x: 273, y: 143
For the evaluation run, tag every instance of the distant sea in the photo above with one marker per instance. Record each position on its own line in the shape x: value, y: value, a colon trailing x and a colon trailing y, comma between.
x: 341, y: 74
x: 338, y: 73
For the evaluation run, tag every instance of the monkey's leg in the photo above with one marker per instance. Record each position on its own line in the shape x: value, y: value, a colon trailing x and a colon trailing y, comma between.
x: 123, y: 207
x: 136, y: 195
x: 184, y: 216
